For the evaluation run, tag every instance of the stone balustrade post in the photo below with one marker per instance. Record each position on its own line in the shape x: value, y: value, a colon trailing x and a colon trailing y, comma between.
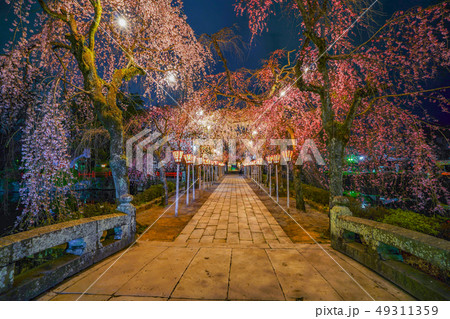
x: 6, y: 277
x: 129, y: 209
x: 339, y: 206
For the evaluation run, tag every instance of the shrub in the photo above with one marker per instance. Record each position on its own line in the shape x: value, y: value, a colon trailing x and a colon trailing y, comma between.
x: 413, y: 221
x: 376, y: 213
x: 315, y: 194
x: 171, y: 186
x: 149, y: 194
x: 152, y: 193
x: 435, y: 226
x: 444, y: 231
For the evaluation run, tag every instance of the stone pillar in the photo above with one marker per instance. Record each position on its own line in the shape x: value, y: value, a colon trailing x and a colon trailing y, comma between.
x: 339, y: 207
x: 6, y: 277
x: 128, y: 208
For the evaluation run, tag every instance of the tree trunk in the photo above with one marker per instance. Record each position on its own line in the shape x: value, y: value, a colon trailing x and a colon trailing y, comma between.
x: 162, y: 177
x: 299, y: 201
x: 117, y: 161
x: 336, y: 149
x: 162, y: 174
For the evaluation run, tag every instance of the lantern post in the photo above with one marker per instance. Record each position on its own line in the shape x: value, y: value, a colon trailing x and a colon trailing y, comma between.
x: 177, y: 155
x: 189, y: 159
x: 287, y: 156
x: 199, y: 173
x: 259, y: 163
x: 206, y: 171
x: 252, y: 170
x: 276, y: 161
x: 211, y: 163
x: 216, y: 171
x: 193, y: 177
x: 269, y: 164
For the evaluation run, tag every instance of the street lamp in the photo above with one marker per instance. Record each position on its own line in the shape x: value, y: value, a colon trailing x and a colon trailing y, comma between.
x: 189, y: 159
x: 177, y: 156
x: 171, y: 78
x: 122, y: 22
x: 269, y: 163
x: 287, y: 155
x: 276, y: 160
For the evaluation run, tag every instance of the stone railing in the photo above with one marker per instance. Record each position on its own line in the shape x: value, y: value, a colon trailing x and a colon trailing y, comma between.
x: 84, y: 248
x: 379, y: 247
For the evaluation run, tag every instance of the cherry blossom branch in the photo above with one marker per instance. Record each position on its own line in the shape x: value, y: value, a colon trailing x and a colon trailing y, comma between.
x: 52, y: 13
x: 378, y: 33
x: 372, y: 101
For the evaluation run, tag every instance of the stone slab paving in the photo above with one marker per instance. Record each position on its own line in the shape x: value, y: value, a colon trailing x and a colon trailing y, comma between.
x: 233, y: 214
x: 232, y: 249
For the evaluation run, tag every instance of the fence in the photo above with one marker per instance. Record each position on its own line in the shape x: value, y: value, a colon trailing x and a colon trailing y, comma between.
x: 84, y: 248
x: 379, y: 249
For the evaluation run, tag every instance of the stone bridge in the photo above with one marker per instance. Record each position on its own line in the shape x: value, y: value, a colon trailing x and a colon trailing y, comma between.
x: 233, y: 249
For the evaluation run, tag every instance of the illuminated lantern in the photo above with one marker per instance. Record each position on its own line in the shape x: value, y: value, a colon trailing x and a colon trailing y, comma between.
x: 276, y: 161
x: 177, y: 156
x: 276, y: 158
x: 188, y: 158
x: 287, y: 155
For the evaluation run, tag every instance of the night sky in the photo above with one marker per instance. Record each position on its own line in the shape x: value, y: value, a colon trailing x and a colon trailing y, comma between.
x: 209, y: 16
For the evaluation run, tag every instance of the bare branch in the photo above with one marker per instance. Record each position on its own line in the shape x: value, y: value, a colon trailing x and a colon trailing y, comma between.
x: 372, y: 102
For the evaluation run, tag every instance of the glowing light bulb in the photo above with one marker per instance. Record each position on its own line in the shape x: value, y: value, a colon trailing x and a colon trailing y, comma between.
x: 255, y: 132
x: 282, y: 93
x: 122, y: 22
x: 171, y: 78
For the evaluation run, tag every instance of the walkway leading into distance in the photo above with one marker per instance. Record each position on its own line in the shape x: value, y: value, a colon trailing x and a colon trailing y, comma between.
x: 232, y: 249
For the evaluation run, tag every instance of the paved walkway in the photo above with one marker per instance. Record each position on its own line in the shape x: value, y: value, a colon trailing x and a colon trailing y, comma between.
x: 234, y: 215
x: 232, y: 249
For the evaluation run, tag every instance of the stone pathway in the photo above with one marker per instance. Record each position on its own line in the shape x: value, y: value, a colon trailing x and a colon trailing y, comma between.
x: 234, y: 215
x: 232, y: 249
